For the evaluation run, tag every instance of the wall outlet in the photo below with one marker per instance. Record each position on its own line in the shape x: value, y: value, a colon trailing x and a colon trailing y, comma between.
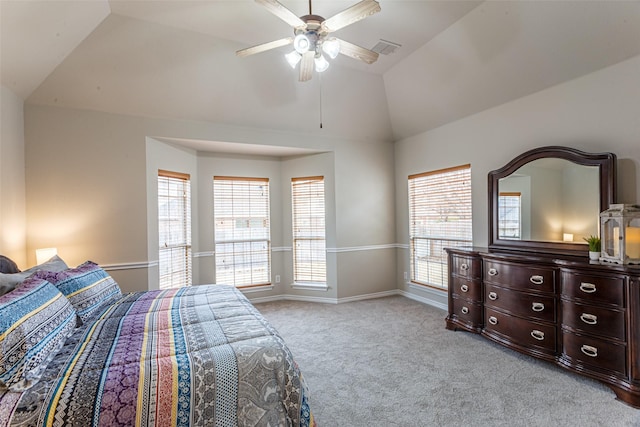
x: 277, y: 278
x: 406, y: 276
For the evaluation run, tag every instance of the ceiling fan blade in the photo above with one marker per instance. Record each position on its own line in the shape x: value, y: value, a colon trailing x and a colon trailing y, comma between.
x: 353, y: 14
x: 357, y: 52
x: 265, y: 46
x: 306, y: 66
x: 283, y: 13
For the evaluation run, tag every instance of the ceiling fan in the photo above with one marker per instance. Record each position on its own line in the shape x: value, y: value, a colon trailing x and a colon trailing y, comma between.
x: 311, y: 37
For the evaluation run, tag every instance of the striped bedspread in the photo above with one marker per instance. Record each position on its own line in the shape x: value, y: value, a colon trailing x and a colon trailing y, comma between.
x: 201, y: 356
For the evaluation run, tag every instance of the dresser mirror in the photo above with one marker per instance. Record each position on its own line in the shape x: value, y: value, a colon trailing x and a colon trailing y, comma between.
x: 548, y: 199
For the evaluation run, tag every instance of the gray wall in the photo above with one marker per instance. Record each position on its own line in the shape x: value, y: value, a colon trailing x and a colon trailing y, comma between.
x: 12, y: 180
x: 594, y: 113
x: 92, y: 194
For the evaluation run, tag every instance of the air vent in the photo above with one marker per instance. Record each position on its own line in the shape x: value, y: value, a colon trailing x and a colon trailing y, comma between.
x: 385, y: 47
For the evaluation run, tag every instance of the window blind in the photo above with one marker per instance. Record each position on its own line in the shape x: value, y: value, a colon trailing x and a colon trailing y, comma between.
x: 309, y: 243
x: 242, y: 230
x: 174, y: 229
x: 439, y: 217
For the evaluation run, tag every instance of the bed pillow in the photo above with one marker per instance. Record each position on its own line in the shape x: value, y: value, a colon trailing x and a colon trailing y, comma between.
x: 7, y: 265
x: 35, y: 321
x: 8, y: 282
x: 87, y: 286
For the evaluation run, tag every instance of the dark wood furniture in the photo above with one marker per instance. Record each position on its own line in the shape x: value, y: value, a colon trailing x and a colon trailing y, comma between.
x: 581, y: 315
x: 545, y: 298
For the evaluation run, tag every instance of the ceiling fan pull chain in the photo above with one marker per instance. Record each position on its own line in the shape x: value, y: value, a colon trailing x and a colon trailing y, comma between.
x: 320, y: 85
x: 310, y: 13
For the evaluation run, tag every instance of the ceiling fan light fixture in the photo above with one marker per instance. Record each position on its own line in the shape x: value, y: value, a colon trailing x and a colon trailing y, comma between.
x: 301, y: 43
x: 331, y: 47
x: 293, y: 58
x: 321, y: 63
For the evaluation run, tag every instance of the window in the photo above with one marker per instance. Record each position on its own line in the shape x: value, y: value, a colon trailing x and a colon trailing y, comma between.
x: 174, y: 229
x: 439, y: 217
x: 309, y: 245
x: 509, y: 216
x: 242, y: 231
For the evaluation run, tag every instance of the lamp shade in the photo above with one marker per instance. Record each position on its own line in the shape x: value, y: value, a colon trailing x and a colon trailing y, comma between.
x: 45, y: 254
x: 301, y: 43
x: 331, y: 47
x: 321, y: 63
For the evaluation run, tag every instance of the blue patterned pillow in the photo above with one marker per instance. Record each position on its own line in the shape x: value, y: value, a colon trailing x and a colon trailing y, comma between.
x: 35, y: 321
x: 87, y: 286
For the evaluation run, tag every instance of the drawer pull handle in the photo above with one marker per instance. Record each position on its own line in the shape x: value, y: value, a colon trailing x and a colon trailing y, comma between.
x: 589, y: 319
x: 493, y: 272
x: 465, y: 310
x: 493, y: 320
x: 536, y: 280
x: 464, y: 267
x: 493, y: 296
x: 464, y: 288
x: 536, y: 334
x: 589, y: 351
x: 537, y: 306
x: 587, y: 287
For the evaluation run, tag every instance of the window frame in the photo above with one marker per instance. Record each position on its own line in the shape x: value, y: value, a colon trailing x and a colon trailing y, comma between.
x: 503, y: 205
x: 172, y: 251
x: 240, y: 256
x: 310, y: 265
x: 427, y: 259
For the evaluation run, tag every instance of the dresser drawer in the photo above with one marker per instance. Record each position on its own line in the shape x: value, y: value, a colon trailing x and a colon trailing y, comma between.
x: 599, y: 354
x: 467, y: 312
x: 520, y: 276
x: 597, y: 289
x: 594, y: 320
x: 526, y: 333
x: 465, y: 266
x: 541, y: 307
x: 467, y: 288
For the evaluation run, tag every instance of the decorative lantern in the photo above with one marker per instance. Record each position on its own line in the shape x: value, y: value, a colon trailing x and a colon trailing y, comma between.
x: 620, y: 234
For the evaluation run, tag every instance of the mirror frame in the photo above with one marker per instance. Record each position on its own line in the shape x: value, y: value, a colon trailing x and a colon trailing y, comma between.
x: 606, y: 162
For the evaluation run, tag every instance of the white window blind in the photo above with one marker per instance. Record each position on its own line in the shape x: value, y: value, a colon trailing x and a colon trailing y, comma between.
x: 439, y: 217
x: 174, y: 229
x: 242, y: 231
x: 309, y: 244
x: 509, y: 223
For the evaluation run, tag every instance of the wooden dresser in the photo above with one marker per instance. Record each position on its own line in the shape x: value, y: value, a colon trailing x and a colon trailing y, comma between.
x: 581, y: 315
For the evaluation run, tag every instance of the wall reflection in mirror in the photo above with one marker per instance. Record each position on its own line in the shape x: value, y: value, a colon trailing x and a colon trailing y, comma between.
x: 549, y: 200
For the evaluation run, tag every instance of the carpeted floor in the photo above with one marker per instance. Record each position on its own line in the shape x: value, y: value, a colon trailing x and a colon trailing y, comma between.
x: 391, y: 362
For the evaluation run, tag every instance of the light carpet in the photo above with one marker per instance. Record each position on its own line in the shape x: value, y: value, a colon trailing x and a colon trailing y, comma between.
x: 391, y: 362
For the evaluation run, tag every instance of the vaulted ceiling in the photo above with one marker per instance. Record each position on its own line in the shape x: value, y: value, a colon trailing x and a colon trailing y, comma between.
x: 176, y: 59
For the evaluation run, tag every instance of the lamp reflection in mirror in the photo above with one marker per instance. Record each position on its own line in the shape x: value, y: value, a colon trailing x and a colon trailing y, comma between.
x: 567, y: 237
x: 45, y: 254
x: 620, y: 228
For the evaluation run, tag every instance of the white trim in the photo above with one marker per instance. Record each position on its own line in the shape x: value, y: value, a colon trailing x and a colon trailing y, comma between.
x: 203, y: 254
x: 368, y: 296
x: 310, y: 287
x: 252, y: 289
x: 129, y: 265
x: 430, y: 291
x: 362, y: 248
x: 282, y: 249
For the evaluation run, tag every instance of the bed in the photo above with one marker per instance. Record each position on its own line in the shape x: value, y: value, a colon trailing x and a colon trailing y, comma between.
x: 200, y: 355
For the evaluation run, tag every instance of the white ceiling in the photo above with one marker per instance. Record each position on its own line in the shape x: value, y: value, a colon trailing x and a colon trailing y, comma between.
x: 176, y: 59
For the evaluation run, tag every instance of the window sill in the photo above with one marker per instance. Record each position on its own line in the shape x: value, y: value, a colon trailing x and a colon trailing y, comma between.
x: 310, y: 286
x: 255, y: 288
